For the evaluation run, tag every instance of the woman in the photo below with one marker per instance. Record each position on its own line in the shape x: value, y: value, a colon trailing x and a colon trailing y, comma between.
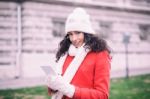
x: 83, y: 62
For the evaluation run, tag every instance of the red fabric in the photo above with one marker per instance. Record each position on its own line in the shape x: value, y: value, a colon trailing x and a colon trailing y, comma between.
x: 92, y: 78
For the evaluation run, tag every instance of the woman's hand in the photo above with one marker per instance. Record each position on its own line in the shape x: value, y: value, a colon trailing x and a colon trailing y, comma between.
x: 57, y: 83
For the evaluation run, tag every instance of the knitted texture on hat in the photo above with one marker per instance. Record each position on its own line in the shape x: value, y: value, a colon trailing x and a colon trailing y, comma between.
x: 79, y: 20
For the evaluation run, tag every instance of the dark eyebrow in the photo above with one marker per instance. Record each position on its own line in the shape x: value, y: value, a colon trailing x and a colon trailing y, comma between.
x: 68, y: 32
x: 74, y: 32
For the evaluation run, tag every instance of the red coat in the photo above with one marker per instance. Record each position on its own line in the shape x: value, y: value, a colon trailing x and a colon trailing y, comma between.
x: 92, y: 78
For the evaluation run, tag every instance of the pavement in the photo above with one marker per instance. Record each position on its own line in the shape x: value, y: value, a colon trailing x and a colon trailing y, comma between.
x: 40, y: 81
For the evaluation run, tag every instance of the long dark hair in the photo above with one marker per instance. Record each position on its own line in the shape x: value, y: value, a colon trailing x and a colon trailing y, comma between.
x: 92, y: 42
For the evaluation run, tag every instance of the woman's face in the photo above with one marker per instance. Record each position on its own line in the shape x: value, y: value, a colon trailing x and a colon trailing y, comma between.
x: 76, y: 38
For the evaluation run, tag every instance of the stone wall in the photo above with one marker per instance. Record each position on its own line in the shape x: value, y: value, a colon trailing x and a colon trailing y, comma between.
x: 8, y: 39
x: 38, y: 42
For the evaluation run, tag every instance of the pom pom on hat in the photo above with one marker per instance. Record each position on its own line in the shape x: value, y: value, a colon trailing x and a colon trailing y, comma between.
x: 79, y: 20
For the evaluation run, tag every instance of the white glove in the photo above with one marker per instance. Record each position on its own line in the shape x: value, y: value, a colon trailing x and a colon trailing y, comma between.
x: 57, y: 82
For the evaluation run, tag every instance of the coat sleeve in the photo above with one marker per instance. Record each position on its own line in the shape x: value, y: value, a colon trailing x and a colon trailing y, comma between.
x: 101, y: 80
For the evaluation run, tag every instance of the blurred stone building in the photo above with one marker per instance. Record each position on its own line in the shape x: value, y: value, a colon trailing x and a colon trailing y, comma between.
x: 31, y: 29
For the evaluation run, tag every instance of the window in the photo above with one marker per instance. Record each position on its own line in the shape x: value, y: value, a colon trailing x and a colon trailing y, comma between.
x: 141, y: 2
x: 58, y: 27
x: 145, y: 32
x: 105, y: 28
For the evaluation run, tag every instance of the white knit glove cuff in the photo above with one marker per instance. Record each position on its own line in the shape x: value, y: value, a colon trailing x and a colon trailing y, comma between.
x: 68, y: 91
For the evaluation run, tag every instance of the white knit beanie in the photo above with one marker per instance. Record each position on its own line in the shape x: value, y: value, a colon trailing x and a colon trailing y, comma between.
x: 79, y: 20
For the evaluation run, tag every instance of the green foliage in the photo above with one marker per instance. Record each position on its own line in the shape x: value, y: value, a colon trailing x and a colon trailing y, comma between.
x: 25, y: 93
x: 132, y: 88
